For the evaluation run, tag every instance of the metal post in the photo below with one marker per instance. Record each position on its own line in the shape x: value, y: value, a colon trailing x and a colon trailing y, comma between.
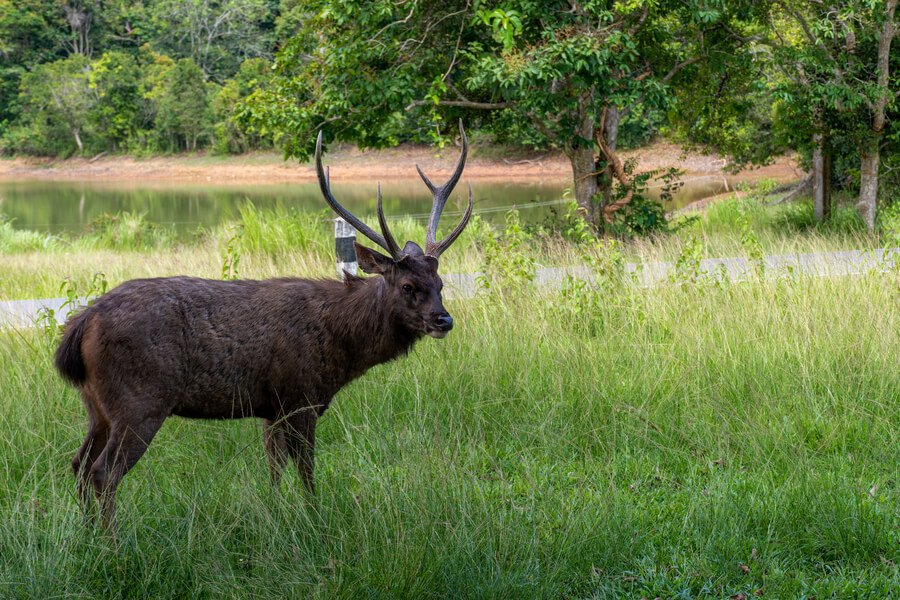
x: 344, y: 237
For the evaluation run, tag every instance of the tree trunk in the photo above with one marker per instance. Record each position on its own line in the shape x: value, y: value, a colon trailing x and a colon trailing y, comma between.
x: 614, y: 168
x: 77, y: 135
x: 611, y: 127
x: 610, y: 135
x: 581, y: 155
x: 582, y: 159
x: 868, y: 185
x: 818, y: 177
x: 826, y: 185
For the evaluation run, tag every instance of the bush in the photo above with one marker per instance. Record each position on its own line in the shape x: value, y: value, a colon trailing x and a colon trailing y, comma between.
x: 127, y: 231
x: 507, y: 266
x: 230, y: 136
x: 272, y: 232
x: 18, y: 240
x: 889, y: 224
x: 642, y: 216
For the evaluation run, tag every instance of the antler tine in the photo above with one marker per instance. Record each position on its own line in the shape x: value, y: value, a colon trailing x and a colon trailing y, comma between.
x: 393, y: 248
x: 441, y: 194
x: 424, y: 177
x: 325, y: 186
x: 436, y: 250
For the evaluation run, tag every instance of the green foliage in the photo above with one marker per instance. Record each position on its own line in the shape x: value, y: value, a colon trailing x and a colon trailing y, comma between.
x: 50, y: 51
x: 19, y: 240
x: 232, y: 260
x: 506, y: 267
x: 889, y: 224
x: 126, y: 231
x: 231, y: 137
x: 688, y: 269
x: 538, y: 74
x: 51, y: 322
x: 274, y: 232
x: 56, y: 101
x: 114, y: 119
x: 572, y: 225
x: 30, y: 32
x: 183, y: 109
x: 216, y: 36
x: 752, y: 247
x: 592, y: 303
x: 642, y: 215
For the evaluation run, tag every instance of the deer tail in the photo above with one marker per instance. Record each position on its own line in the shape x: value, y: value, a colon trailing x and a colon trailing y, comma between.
x: 68, y: 359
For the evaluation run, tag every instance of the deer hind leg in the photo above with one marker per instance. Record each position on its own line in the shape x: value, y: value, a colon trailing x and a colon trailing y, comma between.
x: 127, y: 443
x: 301, y: 444
x: 275, y: 443
x: 94, y: 442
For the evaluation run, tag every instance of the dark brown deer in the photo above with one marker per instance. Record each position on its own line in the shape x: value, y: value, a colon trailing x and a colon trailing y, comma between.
x: 278, y: 349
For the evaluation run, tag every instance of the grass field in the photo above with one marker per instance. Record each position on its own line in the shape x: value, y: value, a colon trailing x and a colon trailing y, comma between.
x: 699, y: 439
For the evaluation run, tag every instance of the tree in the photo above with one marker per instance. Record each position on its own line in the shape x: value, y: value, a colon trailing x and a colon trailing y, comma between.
x: 835, y: 57
x: 115, y: 80
x: 30, y: 33
x: 876, y: 101
x: 79, y: 15
x: 183, y: 106
x: 564, y: 73
x: 56, y: 100
x: 230, y: 136
x: 217, y: 34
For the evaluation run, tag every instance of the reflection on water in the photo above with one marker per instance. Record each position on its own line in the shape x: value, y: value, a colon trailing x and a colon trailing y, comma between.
x: 71, y: 206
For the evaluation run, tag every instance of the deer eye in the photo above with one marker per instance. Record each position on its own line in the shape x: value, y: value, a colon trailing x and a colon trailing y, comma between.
x: 407, y: 288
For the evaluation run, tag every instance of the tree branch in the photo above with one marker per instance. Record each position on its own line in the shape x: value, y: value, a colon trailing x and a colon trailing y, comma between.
x: 462, y: 104
x: 683, y: 64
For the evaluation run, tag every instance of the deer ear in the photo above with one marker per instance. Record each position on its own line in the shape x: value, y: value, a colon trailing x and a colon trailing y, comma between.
x: 372, y: 262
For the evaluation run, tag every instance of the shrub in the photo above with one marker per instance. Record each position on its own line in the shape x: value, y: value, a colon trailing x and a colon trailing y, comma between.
x: 19, y: 240
x: 126, y: 231
x: 506, y: 266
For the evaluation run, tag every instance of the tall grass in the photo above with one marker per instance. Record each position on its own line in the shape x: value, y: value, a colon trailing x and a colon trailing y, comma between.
x: 23, y: 240
x: 694, y: 440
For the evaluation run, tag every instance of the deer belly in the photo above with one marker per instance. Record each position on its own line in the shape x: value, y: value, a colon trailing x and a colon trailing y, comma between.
x: 222, y: 400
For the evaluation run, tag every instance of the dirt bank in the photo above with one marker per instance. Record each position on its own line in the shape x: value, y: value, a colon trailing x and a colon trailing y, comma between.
x: 353, y: 164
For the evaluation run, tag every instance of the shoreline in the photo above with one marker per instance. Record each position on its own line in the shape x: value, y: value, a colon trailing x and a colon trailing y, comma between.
x: 351, y: 164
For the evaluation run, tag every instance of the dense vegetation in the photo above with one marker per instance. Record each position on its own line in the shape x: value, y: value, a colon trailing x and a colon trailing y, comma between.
x: 748, y: 78
x: 697, y: 439
x: 85, y: 77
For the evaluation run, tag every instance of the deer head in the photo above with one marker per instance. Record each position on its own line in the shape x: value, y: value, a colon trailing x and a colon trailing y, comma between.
x: 411, y: 274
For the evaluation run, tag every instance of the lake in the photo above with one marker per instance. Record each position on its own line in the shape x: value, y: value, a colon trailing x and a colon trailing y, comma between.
x: 71, y: 206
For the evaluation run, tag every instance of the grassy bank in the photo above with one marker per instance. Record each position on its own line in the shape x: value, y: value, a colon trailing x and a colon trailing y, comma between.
x: 697, y: 439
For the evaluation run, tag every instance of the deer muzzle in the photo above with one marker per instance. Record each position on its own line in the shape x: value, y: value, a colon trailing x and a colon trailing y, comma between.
x: 440, y: 326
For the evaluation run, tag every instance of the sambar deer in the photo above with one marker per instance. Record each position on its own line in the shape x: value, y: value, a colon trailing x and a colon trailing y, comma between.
x: 277, y: 349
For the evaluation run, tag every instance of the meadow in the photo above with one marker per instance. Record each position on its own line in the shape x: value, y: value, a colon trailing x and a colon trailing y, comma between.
x: 697, y: 439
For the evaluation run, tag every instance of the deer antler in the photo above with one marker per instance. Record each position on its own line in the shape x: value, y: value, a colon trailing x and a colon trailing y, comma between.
x: 441, y: 194
x: 387, y: 241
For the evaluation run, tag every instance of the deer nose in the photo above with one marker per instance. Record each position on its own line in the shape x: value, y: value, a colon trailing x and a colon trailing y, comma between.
x: 444, y: 322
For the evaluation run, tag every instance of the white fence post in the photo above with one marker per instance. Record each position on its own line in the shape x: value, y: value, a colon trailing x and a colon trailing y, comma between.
x: 344, y: 237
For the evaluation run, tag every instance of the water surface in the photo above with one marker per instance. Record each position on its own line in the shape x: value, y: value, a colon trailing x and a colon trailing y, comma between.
x: 71, y: 206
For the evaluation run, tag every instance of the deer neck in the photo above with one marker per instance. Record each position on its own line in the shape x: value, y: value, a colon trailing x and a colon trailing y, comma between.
x: 366, y: 327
